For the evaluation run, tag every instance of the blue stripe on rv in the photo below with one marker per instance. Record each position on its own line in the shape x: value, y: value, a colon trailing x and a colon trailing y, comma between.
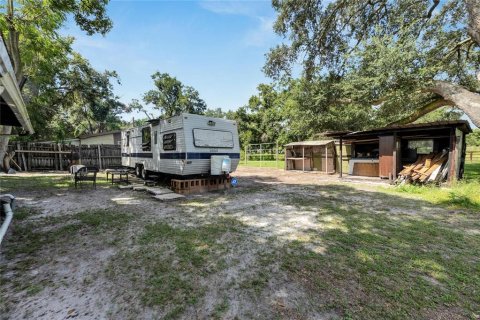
x: 182, y: 155
x: 138, y: 155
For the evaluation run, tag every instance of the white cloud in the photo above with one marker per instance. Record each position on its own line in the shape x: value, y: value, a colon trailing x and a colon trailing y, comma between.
x: 262, y: 35
x: 249, y: 8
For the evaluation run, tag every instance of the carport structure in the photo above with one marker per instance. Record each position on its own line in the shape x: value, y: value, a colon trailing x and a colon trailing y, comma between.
x: 383, y: 152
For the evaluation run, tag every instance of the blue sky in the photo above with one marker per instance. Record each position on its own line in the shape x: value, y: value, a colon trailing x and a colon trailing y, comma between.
x: 218, y: 47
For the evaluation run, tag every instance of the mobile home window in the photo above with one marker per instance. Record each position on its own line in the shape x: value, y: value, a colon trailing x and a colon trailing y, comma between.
x: 128, y: 138
x: 146, y: 139
x: 204, y: 138
x: 170, y: 141
x: 155, y: 137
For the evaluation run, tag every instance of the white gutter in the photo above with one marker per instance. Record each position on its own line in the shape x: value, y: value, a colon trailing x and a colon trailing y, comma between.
x: 10, y: 90
x: 7, y: 209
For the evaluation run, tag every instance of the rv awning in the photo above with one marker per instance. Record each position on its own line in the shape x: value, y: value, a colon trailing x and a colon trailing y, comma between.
x: 309, y: 143
x: 12, y: 107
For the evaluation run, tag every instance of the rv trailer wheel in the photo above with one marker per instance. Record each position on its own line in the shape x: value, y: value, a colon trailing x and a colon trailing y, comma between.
x: 138, y: 170
x: 144, y: 173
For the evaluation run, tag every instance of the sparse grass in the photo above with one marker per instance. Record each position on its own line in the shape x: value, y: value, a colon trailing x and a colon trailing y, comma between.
x: 22, y: 213
x: 382, y: 267
x: 11, y: 183
x: 167, y: 266
x: 220, y: 309
x: 29, y: 239
x: 31, y: 236
x: 350, y: 259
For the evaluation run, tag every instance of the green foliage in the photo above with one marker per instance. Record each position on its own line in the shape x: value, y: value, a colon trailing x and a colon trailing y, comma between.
x: 384, y: 54
x: 445, y: 113
x: 85, y: 100
x: 65, y: 96
x: 298, y: 110
x: 473, y: 139
x: 171, y: 97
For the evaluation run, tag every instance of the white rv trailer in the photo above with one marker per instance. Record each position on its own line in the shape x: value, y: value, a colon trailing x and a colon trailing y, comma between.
x: 182, y: 145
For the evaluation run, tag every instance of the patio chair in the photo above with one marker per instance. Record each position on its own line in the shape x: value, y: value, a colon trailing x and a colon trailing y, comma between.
x: 86, y: 174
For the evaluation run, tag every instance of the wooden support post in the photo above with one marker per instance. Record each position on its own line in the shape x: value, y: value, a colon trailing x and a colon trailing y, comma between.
x: 463, y: 155
x: 303, y: 158
x: 24, y: 162
x: 80, y: 152
x: 276, y: 155
x: 261, y: 156
x: 60, y: 158
x: 99, y: 157
x: 341, y: 158
x: 18, y: 153
x: 29, y: 157
x: 55, y: 162
x: 326, y: 158
x: 452, y: 156
x: 394, y: 157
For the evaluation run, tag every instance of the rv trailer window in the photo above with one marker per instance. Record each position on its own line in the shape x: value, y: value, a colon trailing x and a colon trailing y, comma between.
x: 170, y: 141
x: 146, y: 139
x: 155, y: 137
x: 128, y: 138
x: 205, y: 138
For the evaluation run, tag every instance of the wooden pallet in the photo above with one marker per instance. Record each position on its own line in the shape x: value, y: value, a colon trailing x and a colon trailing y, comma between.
x: 200, y: 185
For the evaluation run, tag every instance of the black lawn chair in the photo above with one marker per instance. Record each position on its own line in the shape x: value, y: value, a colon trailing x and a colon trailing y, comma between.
x: 86, y: 174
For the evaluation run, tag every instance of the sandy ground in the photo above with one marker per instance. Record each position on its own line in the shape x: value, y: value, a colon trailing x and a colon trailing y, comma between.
x: 75, y: 285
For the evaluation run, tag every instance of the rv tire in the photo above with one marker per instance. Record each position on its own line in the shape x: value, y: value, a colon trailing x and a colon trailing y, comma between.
x: 138, y: 170
x: 144, y: 173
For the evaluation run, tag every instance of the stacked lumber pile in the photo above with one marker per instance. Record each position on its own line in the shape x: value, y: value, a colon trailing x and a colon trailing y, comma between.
x: 429, y: 168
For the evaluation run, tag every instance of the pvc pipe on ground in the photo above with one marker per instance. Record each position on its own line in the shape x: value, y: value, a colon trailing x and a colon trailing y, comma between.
x: 7, y: 209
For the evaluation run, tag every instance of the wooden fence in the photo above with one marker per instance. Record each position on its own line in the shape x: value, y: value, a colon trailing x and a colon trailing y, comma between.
x: 51, y: 156
x: 472, y: 156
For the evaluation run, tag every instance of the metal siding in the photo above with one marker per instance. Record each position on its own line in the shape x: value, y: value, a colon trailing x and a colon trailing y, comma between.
x: 201, y: 122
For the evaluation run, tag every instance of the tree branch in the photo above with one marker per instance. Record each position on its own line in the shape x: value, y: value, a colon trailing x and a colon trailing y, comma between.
x: 429, y: 13
x: 423, y: 111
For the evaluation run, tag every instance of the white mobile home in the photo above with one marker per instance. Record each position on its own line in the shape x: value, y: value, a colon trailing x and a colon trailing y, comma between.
x: 182, y: 145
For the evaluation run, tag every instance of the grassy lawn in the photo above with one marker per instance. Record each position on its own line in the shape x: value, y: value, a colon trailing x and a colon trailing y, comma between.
x: 263, y: 164
x: 462, y: 194
x: 9, y: 183
x: 300, y: 251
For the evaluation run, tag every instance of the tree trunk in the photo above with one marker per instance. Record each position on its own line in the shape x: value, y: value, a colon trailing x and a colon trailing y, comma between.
x: 452, y: 95
x: 473, y: 28
x: 4, y: 137
x: 467, y: 101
